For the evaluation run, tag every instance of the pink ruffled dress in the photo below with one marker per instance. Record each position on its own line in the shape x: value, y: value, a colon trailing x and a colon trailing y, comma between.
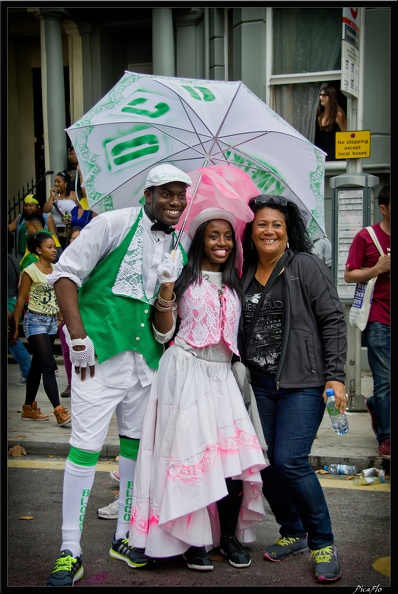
x: 196, y: 432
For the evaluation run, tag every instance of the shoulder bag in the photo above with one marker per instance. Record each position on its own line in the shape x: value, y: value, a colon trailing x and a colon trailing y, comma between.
x: 363, y: 296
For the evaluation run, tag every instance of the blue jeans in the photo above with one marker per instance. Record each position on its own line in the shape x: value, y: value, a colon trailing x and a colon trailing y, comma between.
x: 39, y: 324
x: 377, y: 337
x: 290, y: 420
x: 21, y: 355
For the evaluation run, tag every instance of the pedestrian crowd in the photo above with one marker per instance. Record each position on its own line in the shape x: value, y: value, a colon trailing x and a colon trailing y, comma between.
x: 151, y: 321
x: 26, y: 226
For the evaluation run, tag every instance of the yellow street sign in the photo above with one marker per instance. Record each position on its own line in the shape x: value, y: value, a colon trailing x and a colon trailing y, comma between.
x: 353, y: 145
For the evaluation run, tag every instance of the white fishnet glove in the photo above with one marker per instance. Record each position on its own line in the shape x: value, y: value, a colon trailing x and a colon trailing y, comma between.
x: 84, y: 357
x: 167, y: 270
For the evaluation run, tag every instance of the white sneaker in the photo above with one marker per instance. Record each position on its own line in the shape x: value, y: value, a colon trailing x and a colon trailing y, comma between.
x: 21, y: 381
x: 109, y: 512
x: 115, y: 475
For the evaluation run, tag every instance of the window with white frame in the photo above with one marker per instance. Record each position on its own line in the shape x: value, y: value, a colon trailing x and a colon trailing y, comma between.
x: 305, y: 56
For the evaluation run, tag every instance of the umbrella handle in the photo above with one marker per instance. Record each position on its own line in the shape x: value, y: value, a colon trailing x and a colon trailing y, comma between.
x: 173, y: 255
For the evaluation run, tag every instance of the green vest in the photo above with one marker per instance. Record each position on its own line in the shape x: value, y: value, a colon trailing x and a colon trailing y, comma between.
x: 116, y: 323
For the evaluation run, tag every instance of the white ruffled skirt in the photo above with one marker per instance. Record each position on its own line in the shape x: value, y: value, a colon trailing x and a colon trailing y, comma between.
x: 196, y: 433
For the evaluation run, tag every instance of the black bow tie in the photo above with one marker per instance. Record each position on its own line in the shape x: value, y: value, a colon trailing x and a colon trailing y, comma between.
x: 162, y: 227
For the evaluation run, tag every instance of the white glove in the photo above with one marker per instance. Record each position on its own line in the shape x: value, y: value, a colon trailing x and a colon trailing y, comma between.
x: 167, y: 270
x: 84, y: 357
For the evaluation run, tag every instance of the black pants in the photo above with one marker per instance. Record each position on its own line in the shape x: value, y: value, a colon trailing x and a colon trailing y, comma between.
x: 229, y: 507
x: 43, y: 363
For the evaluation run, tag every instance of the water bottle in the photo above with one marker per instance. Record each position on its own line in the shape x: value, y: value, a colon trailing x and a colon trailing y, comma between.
x: 339, y: 420
x: 370, y: 476
x: 341, y: 469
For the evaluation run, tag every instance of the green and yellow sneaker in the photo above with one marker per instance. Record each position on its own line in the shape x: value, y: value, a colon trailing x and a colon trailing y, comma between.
x: 67, y: 570
x: 327, y: 566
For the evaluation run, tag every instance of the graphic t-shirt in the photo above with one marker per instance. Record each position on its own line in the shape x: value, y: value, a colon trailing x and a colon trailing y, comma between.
x: 264, y: 349
x: 42, y: 296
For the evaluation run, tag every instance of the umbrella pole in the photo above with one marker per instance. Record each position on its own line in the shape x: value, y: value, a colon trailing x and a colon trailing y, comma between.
x: 172, y: 253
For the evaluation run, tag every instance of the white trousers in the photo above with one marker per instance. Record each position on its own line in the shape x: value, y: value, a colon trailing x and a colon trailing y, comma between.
x: 114, y: 387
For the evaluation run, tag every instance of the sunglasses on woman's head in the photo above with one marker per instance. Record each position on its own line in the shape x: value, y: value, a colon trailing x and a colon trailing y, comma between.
x: 263, y: 200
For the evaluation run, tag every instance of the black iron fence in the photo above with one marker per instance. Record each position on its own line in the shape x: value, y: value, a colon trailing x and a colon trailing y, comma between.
x: 15, y: 205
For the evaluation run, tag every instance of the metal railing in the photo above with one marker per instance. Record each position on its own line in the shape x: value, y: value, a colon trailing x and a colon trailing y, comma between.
x: 15, y: 205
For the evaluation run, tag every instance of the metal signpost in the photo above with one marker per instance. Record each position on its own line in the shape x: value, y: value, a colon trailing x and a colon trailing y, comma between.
x: 353, y: 208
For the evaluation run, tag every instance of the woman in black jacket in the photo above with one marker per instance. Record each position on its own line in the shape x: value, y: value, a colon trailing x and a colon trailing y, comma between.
x: 295, y: 349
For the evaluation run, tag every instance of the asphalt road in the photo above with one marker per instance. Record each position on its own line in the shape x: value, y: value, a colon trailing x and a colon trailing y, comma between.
x: 360, y: 515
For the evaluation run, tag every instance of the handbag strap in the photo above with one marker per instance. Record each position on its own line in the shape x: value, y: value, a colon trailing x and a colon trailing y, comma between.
x: 372, y: 234
x: 274, y: 274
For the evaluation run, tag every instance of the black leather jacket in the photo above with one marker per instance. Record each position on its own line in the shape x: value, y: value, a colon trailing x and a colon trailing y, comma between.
x: 314, y: 344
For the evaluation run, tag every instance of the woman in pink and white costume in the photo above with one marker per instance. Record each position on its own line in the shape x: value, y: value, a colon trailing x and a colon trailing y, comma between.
x: 197, y: 480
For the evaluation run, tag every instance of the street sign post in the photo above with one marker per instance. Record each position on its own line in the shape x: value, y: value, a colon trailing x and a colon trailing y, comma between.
x: 350, y: 52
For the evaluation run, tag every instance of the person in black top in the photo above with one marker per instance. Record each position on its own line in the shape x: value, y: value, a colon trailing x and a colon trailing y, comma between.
x: 330, y: 118
x: 72, y: 167
x: 294, y: 344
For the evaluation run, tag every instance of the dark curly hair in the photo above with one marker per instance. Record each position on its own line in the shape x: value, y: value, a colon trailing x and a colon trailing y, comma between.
x: 299, y: 240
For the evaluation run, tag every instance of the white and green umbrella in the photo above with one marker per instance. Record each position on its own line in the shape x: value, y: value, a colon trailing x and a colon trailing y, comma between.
x: 191, y: 123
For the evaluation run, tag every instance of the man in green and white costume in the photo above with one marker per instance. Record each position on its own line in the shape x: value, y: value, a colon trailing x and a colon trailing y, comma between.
x: 106, y: 284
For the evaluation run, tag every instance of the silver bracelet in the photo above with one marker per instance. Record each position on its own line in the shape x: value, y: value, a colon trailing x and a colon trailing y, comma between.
x: 164, y: 302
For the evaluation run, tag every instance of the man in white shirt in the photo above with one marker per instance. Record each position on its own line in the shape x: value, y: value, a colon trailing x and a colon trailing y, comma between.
x: 106, y: 284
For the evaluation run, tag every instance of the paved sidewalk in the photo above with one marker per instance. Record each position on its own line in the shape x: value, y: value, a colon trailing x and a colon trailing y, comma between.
x: 45, y: 438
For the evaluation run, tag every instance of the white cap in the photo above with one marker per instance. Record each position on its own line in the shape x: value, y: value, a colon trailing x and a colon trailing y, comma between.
x: 209, y: 214
x: 164, y: 174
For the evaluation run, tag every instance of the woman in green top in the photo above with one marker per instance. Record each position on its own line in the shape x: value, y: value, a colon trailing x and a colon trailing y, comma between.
x: 30, y: 204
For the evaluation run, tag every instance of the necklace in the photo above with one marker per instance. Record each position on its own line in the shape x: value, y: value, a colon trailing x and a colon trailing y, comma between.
x: 215, y: 279
x: 262, y: 273
x: 43, y: 268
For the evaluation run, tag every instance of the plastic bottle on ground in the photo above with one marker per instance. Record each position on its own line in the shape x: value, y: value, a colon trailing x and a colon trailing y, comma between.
x: 341, y: 469
x: 370, y: 476
x: 339, y: 420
